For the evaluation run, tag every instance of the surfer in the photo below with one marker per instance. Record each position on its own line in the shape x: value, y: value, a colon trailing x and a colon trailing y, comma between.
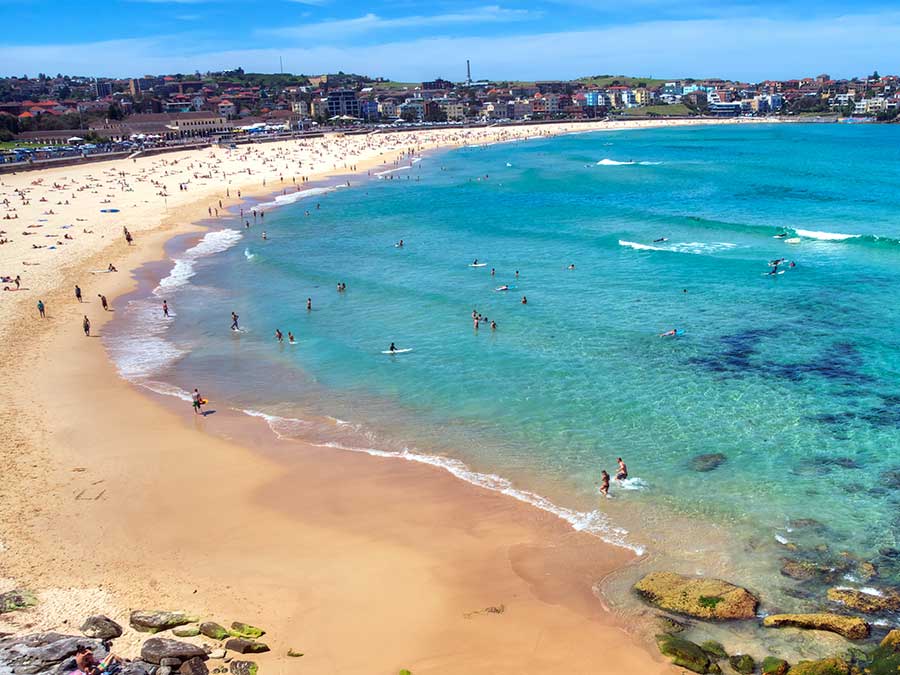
x: 475, y: 262
x: 781, y: 236
x: 776, y: 263
x: 656, y: 241
x: 291, y: 337
x: 622, y: 472
x: 392, y: 348
x: 196, y: 401
x: 278, y: 335
x: 669, y: 333
x: 234, y: 322
x: 604, y: 484
x: 503, y: 288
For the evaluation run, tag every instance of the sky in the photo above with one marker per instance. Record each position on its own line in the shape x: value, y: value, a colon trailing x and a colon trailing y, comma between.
x: 412, y: 41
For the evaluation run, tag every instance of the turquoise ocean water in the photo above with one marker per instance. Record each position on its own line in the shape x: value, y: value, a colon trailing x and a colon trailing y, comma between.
x: 793, y: 379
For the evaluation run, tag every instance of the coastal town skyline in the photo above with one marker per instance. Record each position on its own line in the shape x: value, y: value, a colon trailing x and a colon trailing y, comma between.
x: 538, y: 39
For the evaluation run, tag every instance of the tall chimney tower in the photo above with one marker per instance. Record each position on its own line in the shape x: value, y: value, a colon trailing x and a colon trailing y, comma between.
x: 468, y: 72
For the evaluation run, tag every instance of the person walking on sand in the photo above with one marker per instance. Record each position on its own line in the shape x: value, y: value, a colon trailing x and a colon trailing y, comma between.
x: 604, y: 484
x: 40, y: 307
x: 622, y: 471
x: 86, y: 325
x: 196, y: 401
x: 234, y: 321
x: 103, y: 302
x: 165, y: 309
x: 77, y: 293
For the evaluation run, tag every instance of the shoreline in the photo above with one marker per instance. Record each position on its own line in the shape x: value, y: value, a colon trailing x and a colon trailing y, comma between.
x: 98, y: 435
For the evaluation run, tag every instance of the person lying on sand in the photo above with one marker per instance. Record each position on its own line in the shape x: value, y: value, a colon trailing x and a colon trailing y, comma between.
x: 87, y: 663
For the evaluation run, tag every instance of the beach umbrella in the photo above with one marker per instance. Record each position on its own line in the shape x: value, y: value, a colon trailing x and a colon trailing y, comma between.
x: 74, y: 139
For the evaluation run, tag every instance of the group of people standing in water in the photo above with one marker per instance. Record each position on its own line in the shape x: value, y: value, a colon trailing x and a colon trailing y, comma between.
x: 621, y: 475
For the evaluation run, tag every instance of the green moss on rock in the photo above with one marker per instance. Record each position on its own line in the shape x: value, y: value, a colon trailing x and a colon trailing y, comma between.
x: 12, y: 601
x: 832, y: 666
x: 772, y: 665
x: 686, y: 654
x: 714, y: 649
x: 851, y: 627
x: 702, y: 598
x: 245, y: 630
x: 743, y: 663
x: 213, y: 630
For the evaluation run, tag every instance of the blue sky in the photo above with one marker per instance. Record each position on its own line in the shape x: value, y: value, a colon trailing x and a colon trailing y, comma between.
x: 410, y: 40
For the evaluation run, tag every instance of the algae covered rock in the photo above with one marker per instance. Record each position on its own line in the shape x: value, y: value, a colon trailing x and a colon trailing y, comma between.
x: 851, y: 627
x: 714, y: 649
x: 101, y: 627
x: 12, y: 601
x: 707, y: 462
x: 832, y: 666
x: 186, y: 631
x: 702, y: 598
x: 213, y: 630
x: 742, y: 663
x: 891, y: 641
x: 772, y: 665
x: 154, y: 621
x: 686, y: 654
x: 245, y: 646
x: 666, y: 624
x: 868, y: 603
x: 245, y: 630
x: 243, y: 668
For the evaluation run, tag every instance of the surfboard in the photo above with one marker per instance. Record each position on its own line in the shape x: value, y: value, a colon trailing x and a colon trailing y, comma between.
x: 792, y: 240
x: 769, y: 274
x: 477, y: 264
x: 397, y: 351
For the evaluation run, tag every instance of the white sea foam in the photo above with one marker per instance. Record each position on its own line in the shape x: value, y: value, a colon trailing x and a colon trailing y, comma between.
x: 633, y: 484
x: 183, y: 269
x: 612, y: 162
x: 282, y: 427
x: 248, y: 255
x: 693, y: 247
x: 387, y: 171
x: 826, y: 236
x: 640, y: 247
x: 167, y: 389
x: 283, y: 200
x: 868, y: 590
x: 784, y: 541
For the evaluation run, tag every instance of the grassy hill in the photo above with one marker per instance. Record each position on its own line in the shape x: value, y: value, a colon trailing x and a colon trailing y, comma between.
x: 674, y: 110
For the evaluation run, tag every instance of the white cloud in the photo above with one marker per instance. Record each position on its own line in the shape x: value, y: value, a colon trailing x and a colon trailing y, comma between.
x: 369, y: 23
x: 750, y: 49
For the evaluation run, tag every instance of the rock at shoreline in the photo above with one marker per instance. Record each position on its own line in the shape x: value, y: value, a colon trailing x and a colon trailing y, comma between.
x: 891, y: 641
x: 213, y: 630
x: 12, y: 601
x: 136, y: 668
x: 150, y: 621
x: 868, y: 603
x: 186, y: 631
x: 244, y: 646
x: 707, y: 462
x: 668, y: 625
x: 866, y: 570
x: 702, y: 598
x: 743, y: 663
x: 832, y: 666
x: 714, y: 649
x: 245, y: 630
x: 101, y: 627
x: 42, y: 652
x: 217, y: 654
x: 686, y: 654
x: 851, y: 627
x: 155, y: 650
x: 194, y: 666
x: 772, y: 665
x: 243, y: 668
x: 803, y: 570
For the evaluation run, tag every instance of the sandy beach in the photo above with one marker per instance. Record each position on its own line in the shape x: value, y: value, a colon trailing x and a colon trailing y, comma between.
x: 114, y: 500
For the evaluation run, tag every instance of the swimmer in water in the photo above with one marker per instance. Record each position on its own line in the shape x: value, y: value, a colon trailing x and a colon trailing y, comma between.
x: 493, y: 325
x: 571, y: 266
x: 399, y: 244
x: 264, y: 235
x: 503, y: 288
x: 493, y: 272
x: 291, y: 337
x: 524, y: 300
x: 669, y: 333
x: 622, y: 471
x: 309, y: 304
x: 604, y: 484
x: 279, y: 336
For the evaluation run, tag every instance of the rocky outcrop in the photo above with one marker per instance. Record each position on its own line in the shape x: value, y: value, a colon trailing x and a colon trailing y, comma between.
x: 194, y: 666
x: 153, y: 621
x: 702, y: 598
x: 772, y: 665
x: 833, y: 666
x: 42, y: 652
x: 891, y: 641
x: 244, y: 646
x: 867, y: 603
x: 213, y: 630
x: 12, y: 601
x: 155, y: 650
x: 707, y: 462
x: 851, y: 627
x: 101, y: 627
x: 686, y: 654
x: 742, y: 663
x: 245, y: 630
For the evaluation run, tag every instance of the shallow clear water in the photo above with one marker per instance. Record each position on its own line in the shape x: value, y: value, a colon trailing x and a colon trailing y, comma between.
x: 793, y: 378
